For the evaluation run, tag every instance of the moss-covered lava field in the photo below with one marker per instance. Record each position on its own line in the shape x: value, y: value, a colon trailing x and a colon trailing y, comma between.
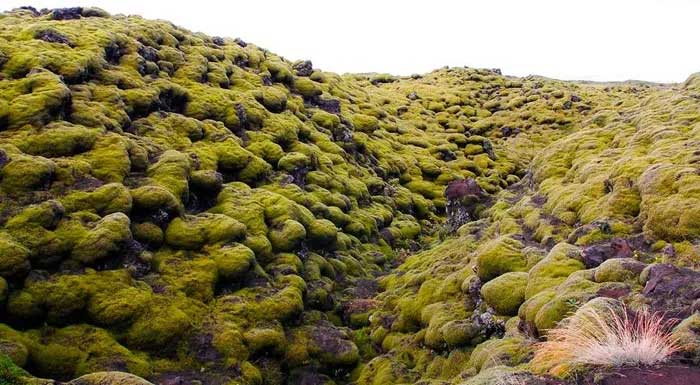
x: 198, y: 210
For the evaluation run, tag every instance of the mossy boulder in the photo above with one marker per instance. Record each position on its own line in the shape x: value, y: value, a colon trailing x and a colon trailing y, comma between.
x: 506, y: 293
x: 109, y: 378
x: 287, y: 236
x: 509, y: 351
x: 109, y: 236
x: 192, y: 232
x: 325, y: 119
x: 499, y: 256
x: 619, y: 270
x: 15, y: 257
x: 23, y: 173
x: 559, y: 263
x: 293, y: 161
x: 307, y: 87
x: 687, y: 333
x: 232, y: 261
x: 274, y: 99
x: 364, y: 123
x: 322, y: 233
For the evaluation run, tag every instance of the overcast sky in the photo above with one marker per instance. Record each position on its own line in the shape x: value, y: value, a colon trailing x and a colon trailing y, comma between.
x: 653, y: 40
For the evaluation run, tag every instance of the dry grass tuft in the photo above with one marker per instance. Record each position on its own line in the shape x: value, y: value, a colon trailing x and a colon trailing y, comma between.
x: 608, y: 335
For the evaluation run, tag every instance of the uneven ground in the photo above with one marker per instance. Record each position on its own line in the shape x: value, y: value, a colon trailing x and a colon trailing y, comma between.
x: 191, y: 208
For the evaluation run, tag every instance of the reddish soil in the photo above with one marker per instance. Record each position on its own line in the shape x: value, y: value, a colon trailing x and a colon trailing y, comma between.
x: 663, y: 375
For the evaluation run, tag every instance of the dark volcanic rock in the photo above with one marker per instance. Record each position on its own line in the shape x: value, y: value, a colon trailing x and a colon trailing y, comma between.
x: 66, y: 13
x: 594, y: 255
x: 671, y: 289
x: 52, y: 36
x: 462, y: 198
x: 303, y: 68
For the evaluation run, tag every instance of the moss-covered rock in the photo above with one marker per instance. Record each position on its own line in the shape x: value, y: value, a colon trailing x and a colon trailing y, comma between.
x: 193, y: 232
x: 500, y: 256
x: 506, y: 293
x: 232, y: 261
x: 109, y: 378
x: 287, y: 236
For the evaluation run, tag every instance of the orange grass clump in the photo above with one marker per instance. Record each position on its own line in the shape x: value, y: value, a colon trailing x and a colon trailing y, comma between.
x: 608, y: 335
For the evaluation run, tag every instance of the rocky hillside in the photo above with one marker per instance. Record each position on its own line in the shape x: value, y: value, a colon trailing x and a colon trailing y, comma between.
x: 198, y: 210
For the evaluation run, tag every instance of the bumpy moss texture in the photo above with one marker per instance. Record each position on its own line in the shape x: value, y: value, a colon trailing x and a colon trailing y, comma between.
x: 179, y: 205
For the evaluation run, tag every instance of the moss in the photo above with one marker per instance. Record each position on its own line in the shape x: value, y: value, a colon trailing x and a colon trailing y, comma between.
x: 287, y: 236
x: 307, y: 87
x: 41, y: 99
x: 24, y: 173
x: 500, y: 256
x: 280, y: 71
x: 154, y: 198
x: 322, y: 233
x: 108, y: 237
x: 619, y: 270
x: 104, y: 200
x: 553, y: 269
x: 284, y: 128
x: 293, y: 161
x: 160, y: 324
x: 15, y: 257
x: 118, y: 306
x: 11, y: 373
x: 172, y: 171
x: 54, y: 140
x: 112, y: 378
x: 274, y: 99
x: 232, y: 261
x: 364, y: 123
x: 193, y: 232
x: 325, y: 119
x: 509, y: 351
x: 506, y: 293
x: 109, y: 158
x: 686, y: 332
x: 269, y: 151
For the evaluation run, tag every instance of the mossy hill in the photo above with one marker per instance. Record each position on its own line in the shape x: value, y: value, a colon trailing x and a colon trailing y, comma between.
x: 191, y: 208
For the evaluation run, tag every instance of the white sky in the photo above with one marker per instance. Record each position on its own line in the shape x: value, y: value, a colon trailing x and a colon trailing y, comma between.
x: 652, y: 40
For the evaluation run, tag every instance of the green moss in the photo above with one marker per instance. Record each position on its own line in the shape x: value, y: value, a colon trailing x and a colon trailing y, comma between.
x: 500, y: 256
x: 619, y: 270
x: 108, y: 237
x: 553, y: 269
x: 41, y: 97
x: 307, y: 87
x: 509, y: 351
x: 15, y: 257
x: 104, y: 200
x: 269, y: 151
x: 364, y: 123
x: 287, y: 236
x: 24, y: 173
x: 161, y: 324
x: 232, y: 261
x: 193, y: 232
x: 274, y: 99
x: 11, y: 373
x: 686, y: 332
x: 506, y: 293
x: 293, y: 161
x: 325, y: 119
x: 118, y: 307
x: 284, y: 128
x: 153, y: 198
x: 102, y: 378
